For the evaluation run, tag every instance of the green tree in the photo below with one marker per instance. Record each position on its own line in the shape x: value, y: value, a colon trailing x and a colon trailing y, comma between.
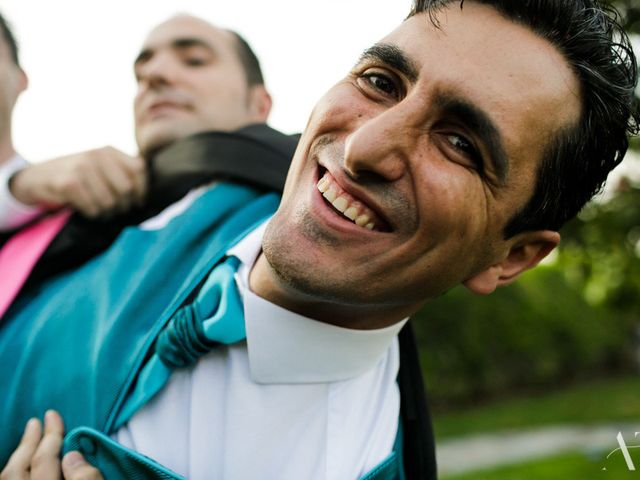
x: 576, y: 317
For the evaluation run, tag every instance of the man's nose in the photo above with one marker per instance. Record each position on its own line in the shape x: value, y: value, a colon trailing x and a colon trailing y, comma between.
x: 160, y: 70
x: 379, y: 146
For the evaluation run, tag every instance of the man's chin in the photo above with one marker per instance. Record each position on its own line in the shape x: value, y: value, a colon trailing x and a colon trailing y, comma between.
x: 297, y: 261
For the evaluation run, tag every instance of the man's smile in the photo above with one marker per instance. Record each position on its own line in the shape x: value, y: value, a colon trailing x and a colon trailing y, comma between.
x: 346, y: 204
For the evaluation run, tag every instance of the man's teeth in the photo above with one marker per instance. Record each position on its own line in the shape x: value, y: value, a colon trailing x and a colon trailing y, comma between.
x: 362, y: 220
x: 330, y: 194
x: 351, y: 213
x: 323, y: 184
x: 341, y: 203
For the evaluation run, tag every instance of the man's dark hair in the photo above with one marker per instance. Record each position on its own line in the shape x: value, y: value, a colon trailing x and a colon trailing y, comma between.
x: 577, y: 161
x: 249, y: 60
x: 10, y: 40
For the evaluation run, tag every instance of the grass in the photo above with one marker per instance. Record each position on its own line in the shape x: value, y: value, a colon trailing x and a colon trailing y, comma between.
x: 572, y: 466
x: 614, y: 400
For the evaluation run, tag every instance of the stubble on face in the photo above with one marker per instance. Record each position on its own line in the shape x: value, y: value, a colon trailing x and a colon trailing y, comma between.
x: 300, y: 273
x: 407, y: 144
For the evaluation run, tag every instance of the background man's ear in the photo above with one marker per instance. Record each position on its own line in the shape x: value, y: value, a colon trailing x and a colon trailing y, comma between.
x: 526, y: 252
x: 259, y: 104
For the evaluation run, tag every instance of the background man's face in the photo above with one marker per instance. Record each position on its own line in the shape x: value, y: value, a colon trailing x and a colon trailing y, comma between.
x: 12, y: 82
x: 189, y: 80
x: 434, y: 138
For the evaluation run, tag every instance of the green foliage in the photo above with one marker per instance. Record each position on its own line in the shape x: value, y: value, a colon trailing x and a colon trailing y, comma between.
x: 631, y: 14
x: 578, y: 317
x: 601, y: 251
x: 593, y: 402
x: 568, y: 466
x: 536, y: 332
x: 574, y: 319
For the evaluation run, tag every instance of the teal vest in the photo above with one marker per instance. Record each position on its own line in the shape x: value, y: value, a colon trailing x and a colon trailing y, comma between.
x: 77, y: 342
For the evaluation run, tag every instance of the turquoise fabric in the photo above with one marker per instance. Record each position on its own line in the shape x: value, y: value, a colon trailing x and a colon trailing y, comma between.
x: 392, y: 467
x: 113, y: 460
x: 98, y: 342
x: 78, y: 342
x: 216, y: 316
x: 387, y: 470
x: 119, y: 463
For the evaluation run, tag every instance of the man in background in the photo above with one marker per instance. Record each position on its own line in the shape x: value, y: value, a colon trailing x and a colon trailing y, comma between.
x: 13, y: 81
x: 192, y: 77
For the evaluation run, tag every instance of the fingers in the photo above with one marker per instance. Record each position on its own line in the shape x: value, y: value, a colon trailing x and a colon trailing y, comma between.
x: 140, y: 177
x: 37, y: 455
x: 111, y: 182
x: 45, y: 463
x: 75, y: 467
x: 19, y: 464
x: 96, y: 182
x: 101, y: 199
x: 80, y: 194
x: 125, y: 177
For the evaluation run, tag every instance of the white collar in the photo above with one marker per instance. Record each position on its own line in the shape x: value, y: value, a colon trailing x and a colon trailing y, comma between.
x: 285, y: 347
x: 16, y: 157
x: 15, y: 162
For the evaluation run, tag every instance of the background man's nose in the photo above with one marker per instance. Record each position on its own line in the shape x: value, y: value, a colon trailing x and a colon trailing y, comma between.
x: 159, y: 70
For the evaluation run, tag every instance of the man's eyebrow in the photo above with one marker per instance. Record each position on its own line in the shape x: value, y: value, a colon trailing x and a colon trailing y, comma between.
x: 187, y: 42
x: 479, y: 123
x: 392, y: 56
x: 178, y: 43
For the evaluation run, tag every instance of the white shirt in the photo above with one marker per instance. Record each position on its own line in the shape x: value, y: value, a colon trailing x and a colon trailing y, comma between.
x: 13, y: 213
x: 300, y: 399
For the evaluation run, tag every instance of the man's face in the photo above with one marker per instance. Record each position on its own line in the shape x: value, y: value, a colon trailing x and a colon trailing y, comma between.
x: 189, y: 80
x: 12, y: 82
x: 432, y: 142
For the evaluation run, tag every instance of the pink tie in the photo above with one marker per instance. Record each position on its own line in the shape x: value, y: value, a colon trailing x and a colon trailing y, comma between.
x: 21, y: 253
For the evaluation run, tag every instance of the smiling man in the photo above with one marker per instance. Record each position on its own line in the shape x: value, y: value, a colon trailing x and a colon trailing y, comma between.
x: 452, y: 153
x: 430, y: 164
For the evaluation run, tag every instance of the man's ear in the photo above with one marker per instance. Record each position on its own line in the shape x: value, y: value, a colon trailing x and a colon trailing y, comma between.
x: 526, y: 252
x: 259, y: 104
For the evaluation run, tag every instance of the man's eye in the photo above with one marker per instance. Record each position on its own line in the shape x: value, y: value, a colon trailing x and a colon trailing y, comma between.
x: 464, y: 146
x: 460, y: 143
x: 194, y: 61
x: 382, y: 83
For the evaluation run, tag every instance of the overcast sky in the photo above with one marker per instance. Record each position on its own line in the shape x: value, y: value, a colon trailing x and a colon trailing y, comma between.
x: 78, y: 55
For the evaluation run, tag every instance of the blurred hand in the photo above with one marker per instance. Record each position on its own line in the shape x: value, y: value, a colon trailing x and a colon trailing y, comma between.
x: 96, y: 182
x: 38, y: 456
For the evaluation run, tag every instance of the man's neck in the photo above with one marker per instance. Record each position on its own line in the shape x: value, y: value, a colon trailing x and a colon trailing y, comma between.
x: 265, y: 283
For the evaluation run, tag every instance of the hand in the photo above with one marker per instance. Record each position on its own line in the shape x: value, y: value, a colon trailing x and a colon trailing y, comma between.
x: 95, y: 183
x: 38, y: 457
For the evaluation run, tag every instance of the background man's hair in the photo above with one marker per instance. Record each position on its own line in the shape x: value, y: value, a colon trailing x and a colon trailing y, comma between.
x: 9, y: 39
x: 249, y: 60
x: 577, y: 161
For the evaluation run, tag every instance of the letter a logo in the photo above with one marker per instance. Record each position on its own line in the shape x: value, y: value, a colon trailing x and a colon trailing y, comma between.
x: 625, y: 451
